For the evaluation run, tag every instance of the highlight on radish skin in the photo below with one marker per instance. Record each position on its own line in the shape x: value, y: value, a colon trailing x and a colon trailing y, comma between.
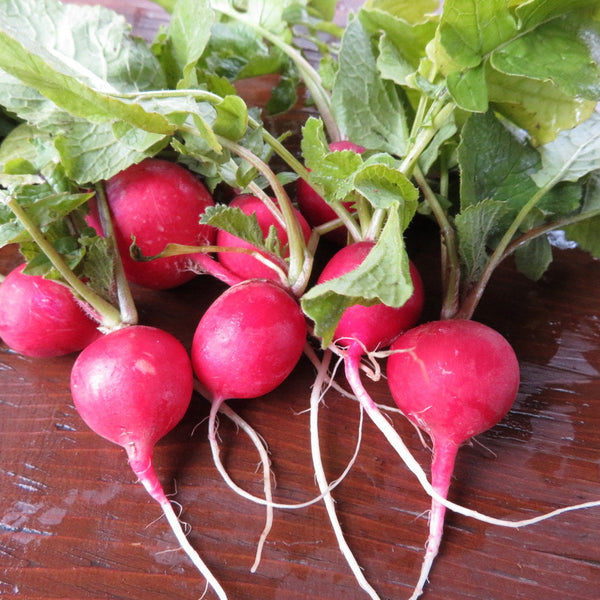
x: 453, y: 379
x: 132, y: 386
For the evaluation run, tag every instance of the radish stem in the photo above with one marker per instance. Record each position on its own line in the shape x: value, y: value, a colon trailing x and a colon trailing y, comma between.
x: 109, y: 315
x: 126, y: 303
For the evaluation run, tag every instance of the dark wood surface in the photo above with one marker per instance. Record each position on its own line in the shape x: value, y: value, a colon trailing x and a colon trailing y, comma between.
x: 74, y: 524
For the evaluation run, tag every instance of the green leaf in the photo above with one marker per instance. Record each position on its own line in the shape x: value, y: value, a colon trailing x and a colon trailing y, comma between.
x: 368, y: 109
x: 534, y: 257
x: 430, y: 155
x: 91, y: 152
x: 494, y: 164
x: 234, y: 221
x: 237, y: 52
x: 563, y: 199
x: 539, y: 107
x: 232, y: 118
x: 56, y: 58
x: 586, y: 233
x: 535, y: 12
x: 469, y: 88
x: 470, y: 29
x: 407, y: 10
x: 325, y: 9
x: 270, y: 15
x: 573, y: 154
x: 332, y: 173
x: 67, y: 91
x: 284, y: 96
x: 44, y: 207
x: 573, y: 39
x: 477, y: 225
x: 97, y: 266
x: 385, y: 187
x: 314, y: 143
x: 335, y: 174
x: 382, y: 277
x: 188, y: 33
x: 402, y: 41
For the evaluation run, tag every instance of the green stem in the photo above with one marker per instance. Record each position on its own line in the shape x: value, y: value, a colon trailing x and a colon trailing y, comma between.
x: 309, y: 75
x: 441, y: 110
x: 126, y: 303
x: 451, y: 262
x: 110, y: 317
x: 469, y: 304
x: 297, y: 246
x: 422, y: 133
x: 547, y: 227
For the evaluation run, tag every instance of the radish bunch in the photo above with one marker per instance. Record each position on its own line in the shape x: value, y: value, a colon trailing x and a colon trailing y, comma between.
x: 417, y: 117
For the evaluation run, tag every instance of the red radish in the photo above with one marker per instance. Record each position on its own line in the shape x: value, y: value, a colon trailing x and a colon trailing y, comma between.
x: 367, y: 328
x: 246, y: 343
x: 132, y: 386
x: 245, y: 265
x: 158, y: 202
x: 361, y: 330
x: 454, y: 379
x: 315, y: 208
x: 41, y: 318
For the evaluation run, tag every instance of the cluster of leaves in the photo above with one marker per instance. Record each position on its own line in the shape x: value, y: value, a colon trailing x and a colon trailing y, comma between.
x: 502, y: 94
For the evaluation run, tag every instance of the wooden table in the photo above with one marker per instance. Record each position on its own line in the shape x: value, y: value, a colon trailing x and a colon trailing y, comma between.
x: 76, y: 525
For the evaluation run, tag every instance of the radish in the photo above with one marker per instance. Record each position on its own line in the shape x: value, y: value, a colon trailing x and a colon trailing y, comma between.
x: 314, y: 207
x: 453, y: 379
x: 246, y: 343
x: 361, y: 330
x: 247, y: 266
x: 132, y: 386
x: 41, y: 318
x: 157, y: 202
x: 367, y: 328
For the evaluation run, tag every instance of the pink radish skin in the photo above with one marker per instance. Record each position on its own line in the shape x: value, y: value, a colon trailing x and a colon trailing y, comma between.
x: 314, y: 207
x: 246, y: 266
x: 367, y: 328
x: 41, y: 318
x: 158, y: 202
x: 454, y: 379
x: 132, y: 386
x: 248, y: 341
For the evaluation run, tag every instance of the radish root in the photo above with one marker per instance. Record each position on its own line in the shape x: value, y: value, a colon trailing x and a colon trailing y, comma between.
x: 315, y: 399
